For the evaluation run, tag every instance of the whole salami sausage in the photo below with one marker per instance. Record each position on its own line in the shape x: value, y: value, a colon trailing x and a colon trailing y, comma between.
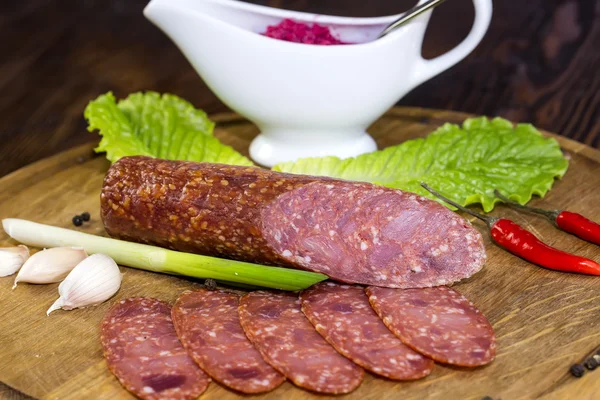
x: 353, y: 232
x: 437, y: 322
x: 208, y: 326
x: 275, y: 325
x: 343, y: 316
x: 142, y: 350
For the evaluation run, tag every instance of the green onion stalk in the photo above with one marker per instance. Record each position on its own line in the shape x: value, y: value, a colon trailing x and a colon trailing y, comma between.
x: 157, y: 259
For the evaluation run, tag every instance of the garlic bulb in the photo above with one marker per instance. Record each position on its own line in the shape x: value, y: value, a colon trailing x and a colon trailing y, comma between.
x: 93, y: 281
x: 12, y: 258
x: 52, y: 265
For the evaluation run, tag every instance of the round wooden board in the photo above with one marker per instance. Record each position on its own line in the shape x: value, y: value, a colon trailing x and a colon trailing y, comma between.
x: 544, y: 320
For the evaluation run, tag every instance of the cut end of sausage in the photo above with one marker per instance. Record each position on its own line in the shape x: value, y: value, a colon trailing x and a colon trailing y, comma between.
x: 361, y: 233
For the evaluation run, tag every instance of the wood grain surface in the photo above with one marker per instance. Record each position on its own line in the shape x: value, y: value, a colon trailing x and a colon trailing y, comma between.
x: 538, y: 63
x: 544, y: 320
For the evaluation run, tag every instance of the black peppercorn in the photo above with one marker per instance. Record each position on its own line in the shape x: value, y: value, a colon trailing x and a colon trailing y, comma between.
x: 591, y: 363
x: 210, y: 284
x: 487, y: 398
x: 85, y: 216
x: 77, y: 220
x: 577, y: 370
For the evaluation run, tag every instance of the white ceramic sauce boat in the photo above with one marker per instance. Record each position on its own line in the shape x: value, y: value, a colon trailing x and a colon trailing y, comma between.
x: 307, y: 100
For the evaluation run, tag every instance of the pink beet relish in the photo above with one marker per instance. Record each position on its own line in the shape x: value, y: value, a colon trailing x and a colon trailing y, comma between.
x: 298, y: 32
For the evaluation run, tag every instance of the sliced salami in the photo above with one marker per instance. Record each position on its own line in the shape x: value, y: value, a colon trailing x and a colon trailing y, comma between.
x: 353, y: 232
x: 208, y: 326
x: 343, y: 316
x: 142, y: 350
x: 276, y: 326
x: 437, y: 322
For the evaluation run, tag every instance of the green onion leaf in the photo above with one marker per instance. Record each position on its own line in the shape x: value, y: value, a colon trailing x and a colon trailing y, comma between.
x: 156, y: 259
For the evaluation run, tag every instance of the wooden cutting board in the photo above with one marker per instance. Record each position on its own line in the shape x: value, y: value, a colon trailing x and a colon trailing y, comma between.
x: 544, y: 320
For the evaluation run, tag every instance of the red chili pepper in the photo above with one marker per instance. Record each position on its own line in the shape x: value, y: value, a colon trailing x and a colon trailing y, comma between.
x: 568, y: 221
x: 526, y: 245
x: 579, y: 225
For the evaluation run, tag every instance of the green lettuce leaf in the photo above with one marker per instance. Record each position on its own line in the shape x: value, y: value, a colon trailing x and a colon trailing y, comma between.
x: 464, y: 163
x: 152, y: 125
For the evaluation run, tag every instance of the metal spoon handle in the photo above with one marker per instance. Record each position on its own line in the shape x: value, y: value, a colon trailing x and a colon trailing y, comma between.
x: 410, y: 14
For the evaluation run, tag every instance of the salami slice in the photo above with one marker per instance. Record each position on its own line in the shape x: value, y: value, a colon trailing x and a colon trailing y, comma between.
x: 343, y: 316
x: 142, y: 350
x: 208, y: 326
x: 276, y: 326
x: 351, y: 231
x: 437, y: 322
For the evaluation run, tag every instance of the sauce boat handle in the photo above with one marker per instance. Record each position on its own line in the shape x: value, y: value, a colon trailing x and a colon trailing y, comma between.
x: 426, y: 69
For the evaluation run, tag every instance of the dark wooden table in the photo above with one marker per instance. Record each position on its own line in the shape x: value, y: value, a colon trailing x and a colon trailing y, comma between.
x: 539, y: 62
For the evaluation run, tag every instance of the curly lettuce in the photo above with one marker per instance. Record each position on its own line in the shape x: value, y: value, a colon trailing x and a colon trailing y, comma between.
x: 163, y: 126
x: 465, y: 163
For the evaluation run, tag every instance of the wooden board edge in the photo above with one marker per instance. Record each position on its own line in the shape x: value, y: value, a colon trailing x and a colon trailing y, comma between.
x: 77, y: 155
x: 10, y: 393
x: 45, y: 167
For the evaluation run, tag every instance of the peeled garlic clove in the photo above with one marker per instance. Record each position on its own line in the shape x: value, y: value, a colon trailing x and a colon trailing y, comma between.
x: 93, y: 281
x: 12, y: 258
x: 52, y: 265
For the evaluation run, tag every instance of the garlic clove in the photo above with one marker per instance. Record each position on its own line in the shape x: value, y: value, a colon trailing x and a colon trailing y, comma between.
x: 12, y: 259
x: 93, y: 281
x: 51, y: 265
